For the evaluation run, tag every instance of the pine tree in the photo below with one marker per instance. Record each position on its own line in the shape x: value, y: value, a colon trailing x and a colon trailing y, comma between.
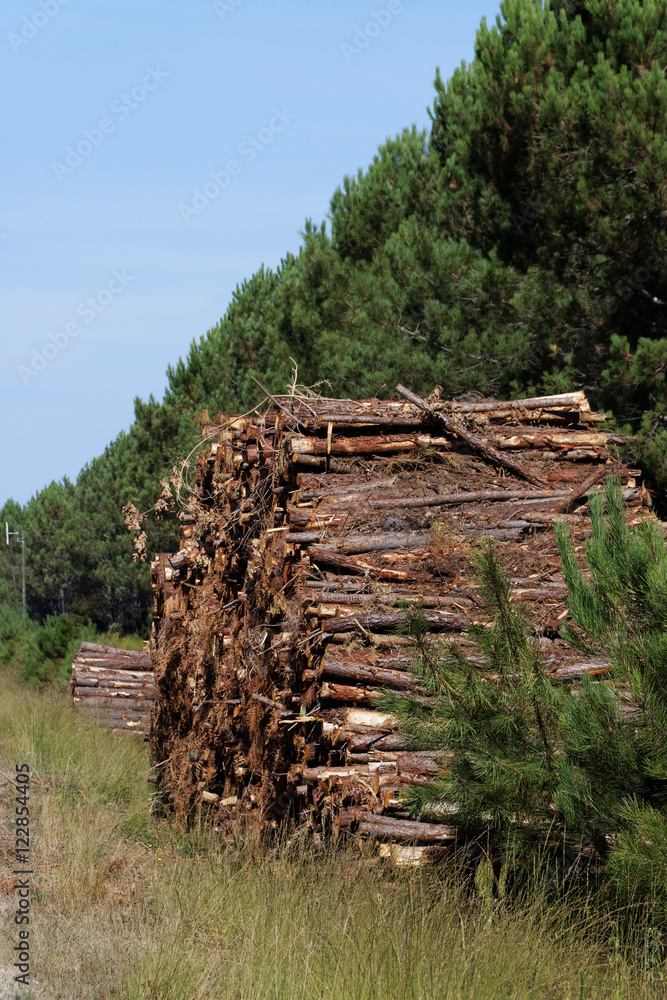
x: 554, y: 142
x: 528, y: 755
x: 495, y: 714
x: 616, y: 739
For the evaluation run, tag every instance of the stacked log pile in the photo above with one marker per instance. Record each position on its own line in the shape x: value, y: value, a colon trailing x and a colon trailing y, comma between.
x: 115, y: 685
x: 278, y: 622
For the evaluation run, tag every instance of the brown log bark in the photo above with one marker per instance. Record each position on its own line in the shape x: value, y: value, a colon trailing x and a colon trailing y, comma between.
x: 323, y: 411
x: 554, y: 438
x: 131, y: 721
x: 145, y: 689
x: 419, y: 763
x: 330, y: 557
x: 113, y: 695
x: 373, y: 740
x: 454, y: 499
x: 93, y: 700
x: 96, y: 648
x: 99, y: 677
x: 110, y: 663
x: 473, y: 441
x: 348, y: 694
x: 367, y: 445
x: 400, y: 662
x: 346, y: 670
x: 312, y: 486
x: 396, y: 829
x: 547, y: 519
x: 417, y: 768
x: 306, y: 518
x: 358, y: 544
x: 92, y: 651
x: 388, y: 599
x: 383, y: 423
x: 321, y: 463
x: 570, y: 401
x: 385, y: 640
x: 440, y: 620
x: 565, y: 504
x: 574, y: 671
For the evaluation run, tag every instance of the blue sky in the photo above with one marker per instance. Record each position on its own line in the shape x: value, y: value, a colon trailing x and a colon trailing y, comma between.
x: 116, y: 112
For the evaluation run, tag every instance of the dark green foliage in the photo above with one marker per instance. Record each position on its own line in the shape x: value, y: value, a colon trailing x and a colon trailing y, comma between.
x: 555, y: 141
x: 40, y: 654
x: 622, y: 612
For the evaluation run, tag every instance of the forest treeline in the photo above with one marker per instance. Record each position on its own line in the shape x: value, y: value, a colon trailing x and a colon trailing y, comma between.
x: 516, y: 247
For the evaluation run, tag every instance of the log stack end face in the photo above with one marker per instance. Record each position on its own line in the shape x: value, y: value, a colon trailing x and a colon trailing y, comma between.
x: 275, y: 625
x: 114, y: 685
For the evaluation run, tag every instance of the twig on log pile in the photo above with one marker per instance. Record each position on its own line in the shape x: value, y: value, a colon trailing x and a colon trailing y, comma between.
x: 453, y: 427
x: 269, y: 702
x: 275, y: 401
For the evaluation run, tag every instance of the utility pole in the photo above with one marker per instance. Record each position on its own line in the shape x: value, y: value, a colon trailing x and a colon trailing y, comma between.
x: 21, y: 539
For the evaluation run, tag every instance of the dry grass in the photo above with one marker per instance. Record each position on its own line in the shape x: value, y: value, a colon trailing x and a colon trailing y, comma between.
x: 129, y: 907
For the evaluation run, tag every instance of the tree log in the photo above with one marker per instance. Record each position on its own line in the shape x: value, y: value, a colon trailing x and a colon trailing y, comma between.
x: 311, y: 487
x: 308, y: 517
x: 358, y: 544
x: 321, y: 463
x: 335, y: 559
x: 347, y: 670
x: 132, y: 721
x: 441, y: 620
x: 563, y: 505
x: 111, y: 716
x: 105, y: 699
x: 574, y: 671
x: 100, y: 677
x: 454, y: 499
x: 571, y: 401
x: 369, y: 718
x: 97, y: 685
x: 387, y: 827
x: 559, y: 438
x: 416, y: 600
x: 92, y: 654
x: 348, y: 694
x: 373, y: 740
x: 367, y: 445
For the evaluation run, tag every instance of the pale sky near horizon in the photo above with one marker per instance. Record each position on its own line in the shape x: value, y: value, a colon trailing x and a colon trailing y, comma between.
x: 115, y: 113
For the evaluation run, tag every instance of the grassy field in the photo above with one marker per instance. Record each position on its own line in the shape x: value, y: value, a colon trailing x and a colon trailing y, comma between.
x: 127, y: 906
